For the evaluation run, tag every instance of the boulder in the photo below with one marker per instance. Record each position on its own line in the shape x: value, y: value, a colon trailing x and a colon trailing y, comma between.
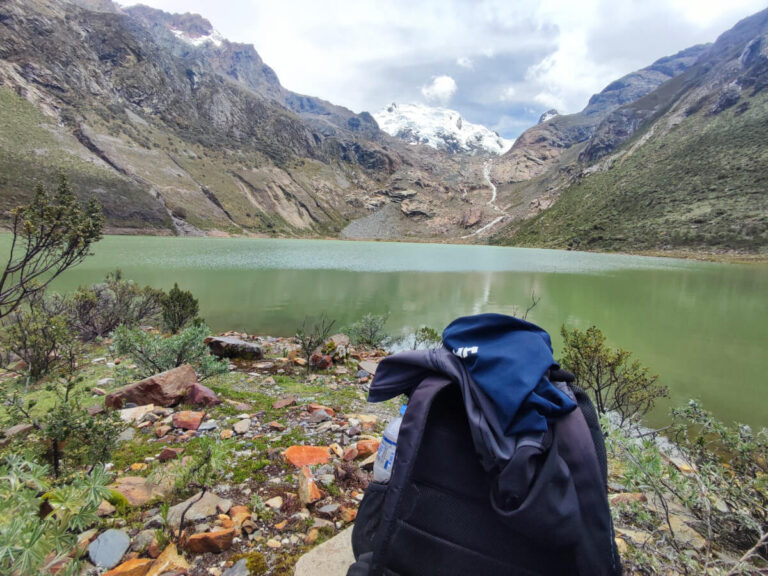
x: 471, y: 217
x: 164, y: 389
x: 107, y: 550
x: 230, y: 347
x: 199, y: 395
x: 216, y: 542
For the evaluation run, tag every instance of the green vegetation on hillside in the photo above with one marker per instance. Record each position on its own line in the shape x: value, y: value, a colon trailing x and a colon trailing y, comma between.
x: 700, y: 184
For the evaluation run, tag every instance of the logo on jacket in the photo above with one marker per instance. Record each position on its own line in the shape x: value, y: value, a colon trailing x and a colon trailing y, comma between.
x: 466, y: 351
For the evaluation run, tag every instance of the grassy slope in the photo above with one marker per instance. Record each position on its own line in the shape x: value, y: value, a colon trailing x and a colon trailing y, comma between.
x: 702, y: 185
x: 34, y: 149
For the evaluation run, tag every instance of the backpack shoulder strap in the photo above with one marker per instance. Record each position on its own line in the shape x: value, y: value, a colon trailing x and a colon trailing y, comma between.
x: 370, y: 548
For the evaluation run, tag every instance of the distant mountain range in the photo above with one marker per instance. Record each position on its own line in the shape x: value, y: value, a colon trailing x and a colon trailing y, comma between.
x: 176, y: 130
x: 681, y: 165
x: 440, y: 128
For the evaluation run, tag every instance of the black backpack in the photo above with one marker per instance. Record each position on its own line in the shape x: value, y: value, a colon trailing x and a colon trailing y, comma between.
x: 435, y: 516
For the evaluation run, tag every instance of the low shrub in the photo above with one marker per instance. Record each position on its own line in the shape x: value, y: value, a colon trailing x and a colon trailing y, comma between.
x: 370, y: 331
x: 426, y: 337
x: 153, y: 353
x: 36, y: 333
x: 616, y: 383
x: 714, y: 480
x: 97, y: 310
x: 312, y: 334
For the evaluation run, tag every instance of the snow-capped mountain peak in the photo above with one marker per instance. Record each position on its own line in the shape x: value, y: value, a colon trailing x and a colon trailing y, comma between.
x: 439, y: 128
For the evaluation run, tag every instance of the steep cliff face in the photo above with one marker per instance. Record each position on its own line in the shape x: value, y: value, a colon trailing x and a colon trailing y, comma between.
x: 539, y: 148
x: 681, y: 167
x: 174, y: 128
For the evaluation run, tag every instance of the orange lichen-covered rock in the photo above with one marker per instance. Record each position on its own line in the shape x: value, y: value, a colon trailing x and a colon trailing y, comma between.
x: 168, y: 561
x: 188, y: 420
x: 308, y: 490
x: 215, y: 542
x: 316, y: 407
x: 367, y: 447
x: 135, y: 567
x: 239, y: 514
x: 301, y: 456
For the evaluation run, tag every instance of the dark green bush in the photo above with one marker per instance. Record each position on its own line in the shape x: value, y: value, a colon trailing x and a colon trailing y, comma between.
x: 616, y: 383
x: 180, y: 308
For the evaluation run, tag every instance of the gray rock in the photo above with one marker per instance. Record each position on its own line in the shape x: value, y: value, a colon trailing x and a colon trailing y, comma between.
x: 209, y: 505
x: 243, y: 426
x: 107, y: 550
x: 239, y: 569
x: 331, y: 558
x: 18, y: 429
x: 127, y: 435
x: 319, y: 416
x: 207, y: 426
x: 142, y: 540
x: 228, y: 347
x: 328, y: 509
x: 106, y: 381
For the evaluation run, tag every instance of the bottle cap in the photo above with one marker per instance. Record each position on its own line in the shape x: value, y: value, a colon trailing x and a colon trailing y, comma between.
x: 402, y: 409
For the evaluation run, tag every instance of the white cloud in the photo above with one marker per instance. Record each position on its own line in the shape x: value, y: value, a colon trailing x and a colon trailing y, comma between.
x: 465, y: 62
x: 440, y: 89
x: 508, y: 94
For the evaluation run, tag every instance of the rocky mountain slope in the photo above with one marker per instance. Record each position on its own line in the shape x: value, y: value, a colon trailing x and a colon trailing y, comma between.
x: 440, y: 128
x: 177, y: 130
x: 682, y: 167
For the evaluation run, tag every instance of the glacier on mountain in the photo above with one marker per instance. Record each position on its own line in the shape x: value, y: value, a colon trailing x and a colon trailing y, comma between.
x: 439, y: 128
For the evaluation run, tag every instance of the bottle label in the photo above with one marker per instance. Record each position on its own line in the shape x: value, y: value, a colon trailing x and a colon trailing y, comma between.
x: 386, y: 455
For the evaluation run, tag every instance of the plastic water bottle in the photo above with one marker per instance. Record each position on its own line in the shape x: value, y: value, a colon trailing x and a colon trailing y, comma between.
x: 385, y: 458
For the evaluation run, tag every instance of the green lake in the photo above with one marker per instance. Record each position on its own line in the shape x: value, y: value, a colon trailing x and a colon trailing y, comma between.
x: 702, y: 327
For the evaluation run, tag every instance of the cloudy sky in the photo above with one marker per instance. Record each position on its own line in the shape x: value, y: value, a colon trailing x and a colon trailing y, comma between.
x: 499, y: 62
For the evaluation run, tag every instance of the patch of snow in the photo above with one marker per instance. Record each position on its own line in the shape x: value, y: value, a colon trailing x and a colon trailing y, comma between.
x: 214, y: 37
x: 440, y: 128
x: 548, y: 115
